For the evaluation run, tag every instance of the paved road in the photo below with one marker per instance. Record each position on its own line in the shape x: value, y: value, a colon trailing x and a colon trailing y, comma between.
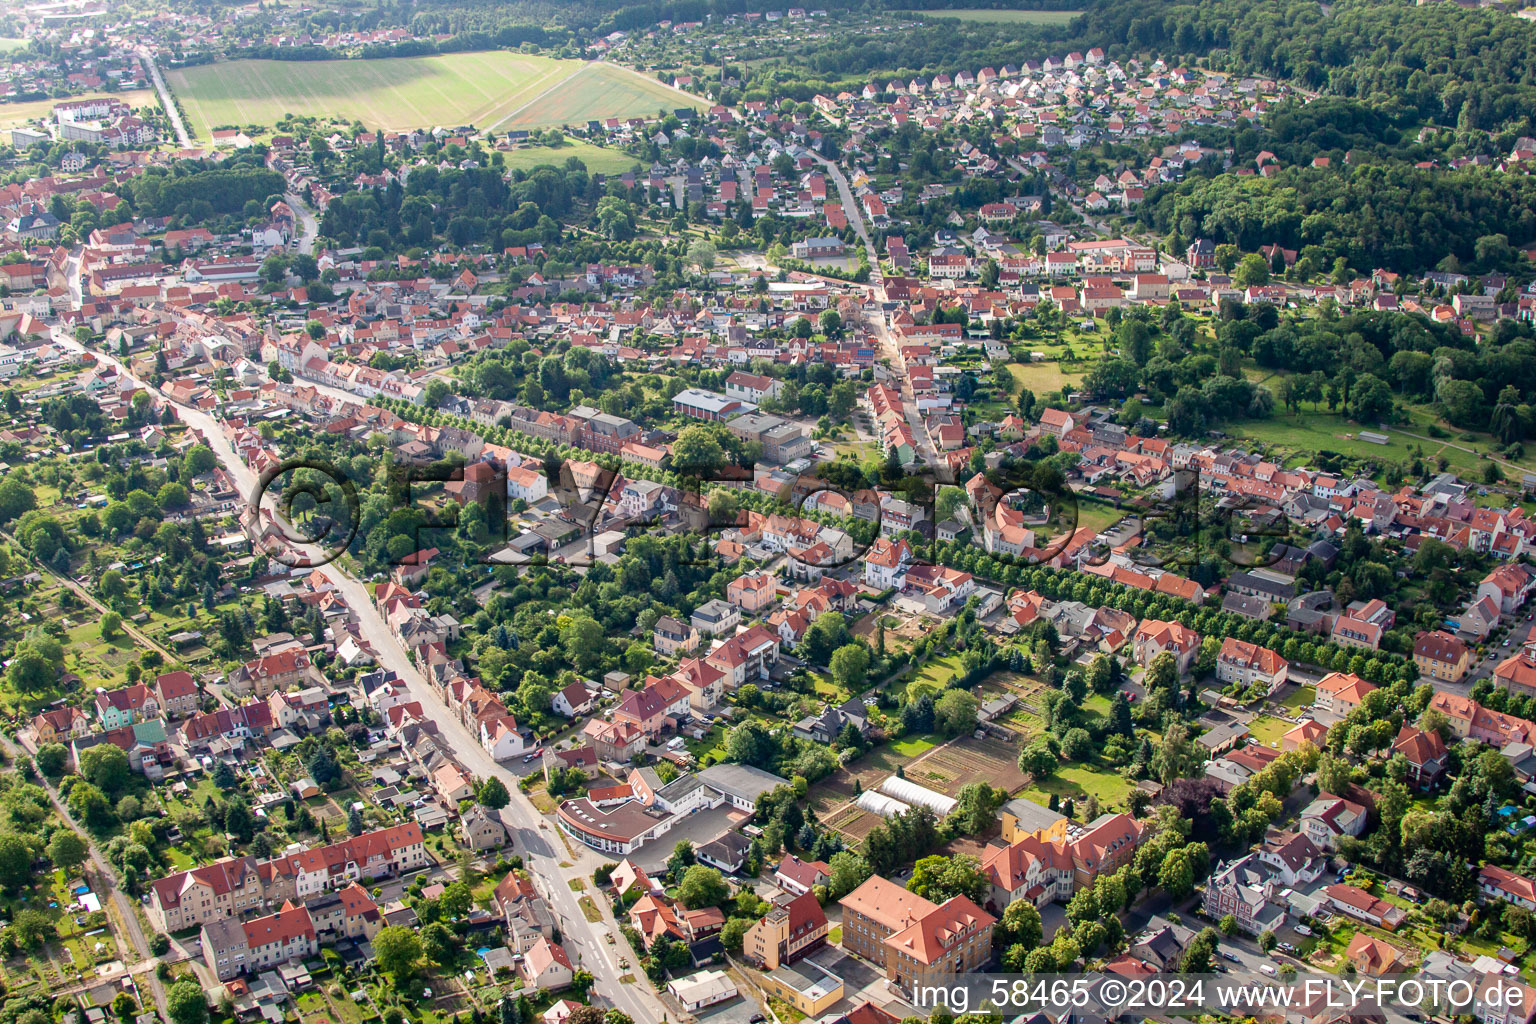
x: 107, y: 881
x: 543, y: 851
x: 166, y: 99
x: 307, y: 219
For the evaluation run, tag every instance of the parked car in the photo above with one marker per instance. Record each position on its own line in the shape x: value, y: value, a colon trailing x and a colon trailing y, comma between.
x: 1302, y: 929
x: 1229, y: 956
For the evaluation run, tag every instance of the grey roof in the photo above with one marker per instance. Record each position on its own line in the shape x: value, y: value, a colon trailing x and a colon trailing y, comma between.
x: 730, y: 848
x: 1032, y: 817
x: 740, y: 780
x: 1222, y: 734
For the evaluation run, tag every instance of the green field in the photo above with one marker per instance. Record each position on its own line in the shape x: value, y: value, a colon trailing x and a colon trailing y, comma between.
x: 487, y: 89
x: 1001, y: 15
x: 598, y: 91
x: 1311, y: 431
x: 1076, y: 782
x: 597, y: 159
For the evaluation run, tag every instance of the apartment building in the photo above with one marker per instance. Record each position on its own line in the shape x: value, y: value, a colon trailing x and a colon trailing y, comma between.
x: 913, y: 940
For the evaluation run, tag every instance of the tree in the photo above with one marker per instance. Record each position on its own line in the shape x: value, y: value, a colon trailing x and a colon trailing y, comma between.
x: 111, y: 623
x: 52, y: 759
x: 976, y: 806
x: 16, y: 498
x: 849, y: 871
x: 697, y: 450
x: 89, y: 805
x: 1021, y: 925
x: 457, y: 900
x: 397, y: 950
x: 849, y: 665
x: 15, y: 861
x: 954, y: 713
x: 1038, y: 760
x: 105, y: 766
x: 1077, y: 745
x: 1251, y: 271
x: 185, y: 1003
x: 1177, y: 875
x: 702, y: 254
x: 949, y: 501
x: 198, y: 460
x: 938, y: 878
x: 67, y: 850
x: 438, y: 943
x: 493, y: 794
x: 702, y: 886
x: 734, y: 931
x: 1370, y: 399
x: 322, y: 766
x: 355, y: 821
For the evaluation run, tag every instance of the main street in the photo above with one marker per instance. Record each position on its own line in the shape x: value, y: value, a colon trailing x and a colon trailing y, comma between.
x: 884, y: 339
x: 543, y: 851
x: 166, y: 99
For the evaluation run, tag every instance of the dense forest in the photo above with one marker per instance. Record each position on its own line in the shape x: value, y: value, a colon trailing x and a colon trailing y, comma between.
x: 1377, y: 215
x: 197, y: 191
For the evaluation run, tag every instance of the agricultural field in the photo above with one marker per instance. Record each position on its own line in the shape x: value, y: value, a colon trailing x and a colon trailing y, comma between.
x: 12, y: 114
x: 487, y: 89
x: 596, y: 91
x: 1001, y: 15
x: 966, y: 760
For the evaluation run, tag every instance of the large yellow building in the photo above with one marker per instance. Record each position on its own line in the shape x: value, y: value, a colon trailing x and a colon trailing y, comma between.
x: 1023, y: 818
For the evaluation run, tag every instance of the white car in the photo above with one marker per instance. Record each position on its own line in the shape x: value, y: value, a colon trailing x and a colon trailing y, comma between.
x: 1267, y: 969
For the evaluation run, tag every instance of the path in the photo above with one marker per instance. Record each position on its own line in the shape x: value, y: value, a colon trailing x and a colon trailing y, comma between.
x: 166, y: 99
x: 541, y: 95
x: 126, y: 914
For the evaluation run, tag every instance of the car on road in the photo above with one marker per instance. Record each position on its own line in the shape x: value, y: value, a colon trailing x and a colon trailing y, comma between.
x: 1267, y: 969
x: 756, y: 1018
x: 1230, y: 956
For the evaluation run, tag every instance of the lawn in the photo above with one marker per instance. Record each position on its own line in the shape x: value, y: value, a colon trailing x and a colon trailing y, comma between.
x: 17, y: 113
x: 1077, y: 782
x: 486, y: 89
x: 1097, y: 516
x: 938, y: 671
x: 1001, y: 15
x: 909, y: 747
x: 1304, y: 435
x: 1267, y: 730
x: 1042, y: 377
x: 1299, y: 698
x: 829, y: 691
x: 597, y: 159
